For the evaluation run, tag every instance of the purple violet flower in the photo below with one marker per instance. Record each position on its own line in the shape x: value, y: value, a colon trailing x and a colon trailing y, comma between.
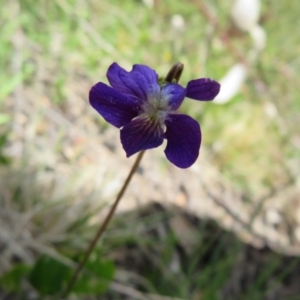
x: 145, y: 110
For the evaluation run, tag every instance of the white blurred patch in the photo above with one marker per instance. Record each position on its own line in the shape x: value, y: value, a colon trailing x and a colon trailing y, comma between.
x: 245, y: 13
x: 149, y: 3
x: 273, y: 216
x: 259, y: 37
x: 270, y: 110
x: 231, y: 83
x: 178, y: 22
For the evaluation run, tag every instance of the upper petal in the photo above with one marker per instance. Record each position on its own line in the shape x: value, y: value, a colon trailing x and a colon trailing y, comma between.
x: 116, y: 108
x: 141, y: 81
x: 202, y: 89
x: 175, y: 93
x: 141, y: 134
x: 184, y: 138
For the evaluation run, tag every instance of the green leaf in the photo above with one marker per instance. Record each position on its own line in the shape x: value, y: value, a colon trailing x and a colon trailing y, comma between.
x: 87, y: 285
x: 4, y: 119
x: 48, y: 275
x: 97, y: 277
x: 11, y: 280
x: 10, y: 85
x: 3, y: 159
x: 103, y: 268
x: 3, y: 140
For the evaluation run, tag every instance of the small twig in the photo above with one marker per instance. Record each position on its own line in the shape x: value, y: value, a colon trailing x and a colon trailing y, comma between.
x: 103, y: 225
x: 272, y: 193
x: 235, y: 217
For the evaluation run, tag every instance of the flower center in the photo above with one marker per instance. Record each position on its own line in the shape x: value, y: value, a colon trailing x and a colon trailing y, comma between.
x: 156, y: 108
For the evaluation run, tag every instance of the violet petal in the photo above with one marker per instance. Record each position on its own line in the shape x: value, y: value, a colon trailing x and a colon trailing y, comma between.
x: 116, y: 108
x: 204, y: 89
x: 141, y: 134
x: 175, y: 93
x: 141, y: 81
x: 184, y: 138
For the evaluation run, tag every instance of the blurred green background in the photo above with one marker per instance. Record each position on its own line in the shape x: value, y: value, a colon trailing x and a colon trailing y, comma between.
x: 52, y: 52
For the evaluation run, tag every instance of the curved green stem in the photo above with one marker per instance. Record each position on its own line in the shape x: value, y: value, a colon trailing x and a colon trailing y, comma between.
x: 103, y: 225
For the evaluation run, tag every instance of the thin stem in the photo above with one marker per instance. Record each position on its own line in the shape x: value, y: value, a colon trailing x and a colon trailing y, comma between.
x: 103, y: 225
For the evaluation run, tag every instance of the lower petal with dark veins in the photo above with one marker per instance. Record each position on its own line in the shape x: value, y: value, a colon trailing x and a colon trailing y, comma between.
x: 141, y: 134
